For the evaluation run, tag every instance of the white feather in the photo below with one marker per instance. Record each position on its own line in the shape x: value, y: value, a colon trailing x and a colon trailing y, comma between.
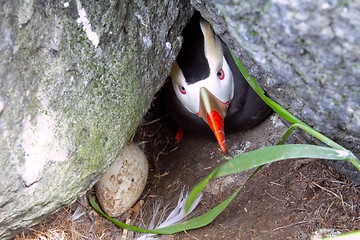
x: 177, y: 215
x: 79, y: 212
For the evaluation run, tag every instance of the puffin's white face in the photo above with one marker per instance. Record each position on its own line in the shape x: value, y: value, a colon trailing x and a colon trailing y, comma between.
x: 220, y: 83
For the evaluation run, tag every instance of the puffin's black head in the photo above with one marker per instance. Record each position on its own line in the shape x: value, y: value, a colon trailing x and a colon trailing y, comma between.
x: 191, y: 59
x: 201, y: 77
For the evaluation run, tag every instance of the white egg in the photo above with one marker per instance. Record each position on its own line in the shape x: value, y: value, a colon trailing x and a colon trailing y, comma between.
x: 121, y: 186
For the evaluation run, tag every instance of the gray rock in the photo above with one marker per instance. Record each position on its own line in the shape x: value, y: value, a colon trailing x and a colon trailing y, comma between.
x: 75, y: 79
x: 305, y: 54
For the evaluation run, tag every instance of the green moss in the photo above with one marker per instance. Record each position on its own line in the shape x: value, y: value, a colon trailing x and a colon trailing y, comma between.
x: 104, y: 103
x: 298, y: 71
x: 253, y: 33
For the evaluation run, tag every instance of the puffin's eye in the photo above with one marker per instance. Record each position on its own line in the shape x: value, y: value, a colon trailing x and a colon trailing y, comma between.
x: 221, y: 74
x: 182, y: 89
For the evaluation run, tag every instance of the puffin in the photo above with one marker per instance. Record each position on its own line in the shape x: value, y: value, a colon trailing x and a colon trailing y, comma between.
x: 205, y: 92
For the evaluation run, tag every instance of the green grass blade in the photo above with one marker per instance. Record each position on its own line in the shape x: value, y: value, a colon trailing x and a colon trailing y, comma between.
x: 117, y: 223
x: 266, y: 155
x: 276, y: 153
x: 252, y: 82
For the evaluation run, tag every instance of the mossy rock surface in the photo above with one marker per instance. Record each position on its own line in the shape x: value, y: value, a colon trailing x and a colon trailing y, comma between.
x: 76, y: 77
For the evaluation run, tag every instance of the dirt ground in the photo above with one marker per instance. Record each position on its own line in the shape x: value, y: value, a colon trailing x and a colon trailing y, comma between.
x: 293, y: 199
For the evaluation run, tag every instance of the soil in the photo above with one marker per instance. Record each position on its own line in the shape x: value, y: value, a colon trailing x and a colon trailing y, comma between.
x: 292, y: 199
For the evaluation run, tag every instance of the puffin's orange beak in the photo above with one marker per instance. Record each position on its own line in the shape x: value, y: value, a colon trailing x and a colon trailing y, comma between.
x: 216, y: 124
x: 212, y: 111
